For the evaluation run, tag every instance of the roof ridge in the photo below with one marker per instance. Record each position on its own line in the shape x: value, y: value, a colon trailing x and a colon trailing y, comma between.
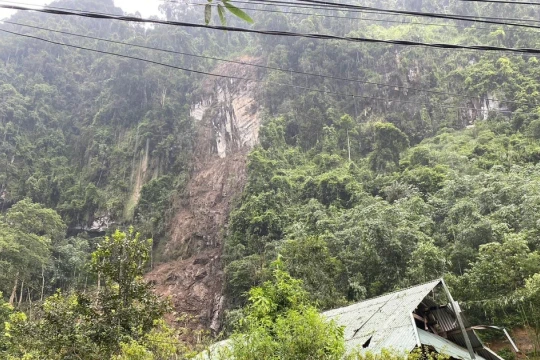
x: 438, y: 280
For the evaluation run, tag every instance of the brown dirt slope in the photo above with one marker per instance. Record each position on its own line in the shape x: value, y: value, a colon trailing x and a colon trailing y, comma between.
x: 228, y: 123
x: 524, y: 339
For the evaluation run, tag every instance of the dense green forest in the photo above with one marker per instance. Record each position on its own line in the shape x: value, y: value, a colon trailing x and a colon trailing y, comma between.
x: 430, y: 170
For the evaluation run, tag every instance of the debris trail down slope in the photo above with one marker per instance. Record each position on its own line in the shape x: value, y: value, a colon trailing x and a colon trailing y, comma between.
x: 228, y: 122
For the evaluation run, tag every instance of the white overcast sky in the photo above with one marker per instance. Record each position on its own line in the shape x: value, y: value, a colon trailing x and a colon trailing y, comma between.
x: 145, y: 7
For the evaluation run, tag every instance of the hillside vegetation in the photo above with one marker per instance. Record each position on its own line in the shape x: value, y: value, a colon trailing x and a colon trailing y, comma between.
x: 425, y: 166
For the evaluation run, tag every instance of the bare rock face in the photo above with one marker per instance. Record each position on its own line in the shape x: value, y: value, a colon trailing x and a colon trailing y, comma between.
x: 479, y: 108
x: 230, y: 107
x: 228, y: 120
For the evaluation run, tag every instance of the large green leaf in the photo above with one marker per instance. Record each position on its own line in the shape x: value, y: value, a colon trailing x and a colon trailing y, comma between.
x: 221, y: 13
x: 236, y: 11
x: 207, y: 13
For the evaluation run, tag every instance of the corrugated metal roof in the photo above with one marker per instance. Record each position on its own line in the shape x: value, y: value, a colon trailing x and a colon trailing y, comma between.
x: 478, y: 346
x: 446, y: 319
x: 457, y: 337
x: 385, y: 319
x: 445, y: 346
x: 489, y: 354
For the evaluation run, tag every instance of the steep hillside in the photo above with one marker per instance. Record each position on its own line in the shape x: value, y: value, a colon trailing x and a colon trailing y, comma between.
x: 227, y: 118
x: 365, y: 167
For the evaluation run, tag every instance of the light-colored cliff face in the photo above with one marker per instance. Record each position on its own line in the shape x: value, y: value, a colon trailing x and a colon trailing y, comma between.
x: 230, y: 108
x: 479, y: 108
x: 228, y: 120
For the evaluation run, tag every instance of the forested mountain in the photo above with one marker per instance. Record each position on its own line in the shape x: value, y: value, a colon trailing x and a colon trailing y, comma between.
x: 364, y: 167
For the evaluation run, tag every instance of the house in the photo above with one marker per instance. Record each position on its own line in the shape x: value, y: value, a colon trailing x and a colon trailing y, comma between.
x: 421, y: 316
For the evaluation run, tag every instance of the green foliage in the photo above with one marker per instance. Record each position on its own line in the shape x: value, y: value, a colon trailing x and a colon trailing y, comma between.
x: 121, y: 319
x: 531, y: 305
x: 225, y: 4
x: 388, y: 144
x: 130, y: 307
x: 5, y: 312
x: 159, y: 344
x: 68, y: 268
x: 83, y: 137
x: 28, y: 234
x: 323, y: 275
x: 426, y: 263
x: 501, y: 269
x: 460, y: 205
x: 427, y: 180
x: 393, y: 355
x: 154, y: 200
x: 279, y: 323
x: 34, y: 218
x: 507, y: 354
x: 360, y: 194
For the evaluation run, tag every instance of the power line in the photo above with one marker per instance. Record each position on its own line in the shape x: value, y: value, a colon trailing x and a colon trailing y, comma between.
x: 259, y: 65
x: 279, y: 33
x: 286, y: 12
x: 122, y: 55
x: 308, y: 14
x: 504, y: 2
x: 240, y: 78
x: 355, y: 18
x: 350, y: 7
x: 253, y: 2
x: 288, y: 4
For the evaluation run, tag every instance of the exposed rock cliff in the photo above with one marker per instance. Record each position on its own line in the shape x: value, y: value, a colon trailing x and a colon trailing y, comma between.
x: 228, y: 122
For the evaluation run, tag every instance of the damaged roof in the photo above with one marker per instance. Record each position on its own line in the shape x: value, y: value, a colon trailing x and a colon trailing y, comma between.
x: 442, y: 345
x: 387, y: 322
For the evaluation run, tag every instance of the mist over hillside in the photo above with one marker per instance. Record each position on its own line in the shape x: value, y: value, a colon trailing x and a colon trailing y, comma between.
x: 361, y: 167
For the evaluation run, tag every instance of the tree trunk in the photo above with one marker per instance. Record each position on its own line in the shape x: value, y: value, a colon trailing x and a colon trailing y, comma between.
x: 21, y: 294
x: 29, y: 302
x: 42, y: 282
x: 14, y: 291
x: 349, y: 145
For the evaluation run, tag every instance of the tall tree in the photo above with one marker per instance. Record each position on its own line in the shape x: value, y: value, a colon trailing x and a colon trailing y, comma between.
x: 121, y: 314
x: 27, y: 234
x: 279, y: 323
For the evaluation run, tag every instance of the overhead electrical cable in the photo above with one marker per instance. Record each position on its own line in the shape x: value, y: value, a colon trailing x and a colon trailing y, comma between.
x: 243, y: 78
x: 486, y: 19
x: 284, y: 2
x: 349, y: 7
x: 286, y: 71
x: 360, y: 18
x: 280, y: 11
x: 388, y: 12
x: 504, y: 2
x: 276, y: 32
x: 61, y: 8
x: 360, y: 9
x: 291, y: 5
x: 371, y: 10
x: 253, y: 2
